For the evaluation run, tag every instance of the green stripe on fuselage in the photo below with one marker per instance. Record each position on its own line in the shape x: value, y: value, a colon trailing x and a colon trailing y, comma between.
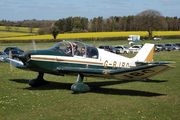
x: 51, y: 66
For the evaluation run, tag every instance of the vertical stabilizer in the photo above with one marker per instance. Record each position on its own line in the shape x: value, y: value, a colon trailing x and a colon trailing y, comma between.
x: 146, y: 53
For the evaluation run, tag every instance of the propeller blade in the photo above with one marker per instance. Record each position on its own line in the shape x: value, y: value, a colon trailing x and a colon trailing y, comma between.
x: 10, y: 56
x: 32, y: 46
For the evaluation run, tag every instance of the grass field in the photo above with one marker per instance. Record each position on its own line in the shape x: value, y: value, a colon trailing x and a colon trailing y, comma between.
x: 110, y: 99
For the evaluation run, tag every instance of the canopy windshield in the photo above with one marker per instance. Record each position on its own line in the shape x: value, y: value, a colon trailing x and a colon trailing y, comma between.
x: 76, y: 48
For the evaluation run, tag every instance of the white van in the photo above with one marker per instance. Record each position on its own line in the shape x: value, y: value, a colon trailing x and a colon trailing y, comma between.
x: 134, y: 38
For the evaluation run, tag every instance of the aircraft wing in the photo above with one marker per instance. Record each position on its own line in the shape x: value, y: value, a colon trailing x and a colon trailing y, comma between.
x: 15, y: 63
x: 135, y: 73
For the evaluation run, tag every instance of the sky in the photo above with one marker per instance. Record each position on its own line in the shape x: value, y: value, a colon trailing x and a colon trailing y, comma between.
x: 58, y: 9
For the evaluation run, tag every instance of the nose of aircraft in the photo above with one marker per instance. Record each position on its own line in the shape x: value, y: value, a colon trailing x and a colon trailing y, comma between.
x: 26, y: 56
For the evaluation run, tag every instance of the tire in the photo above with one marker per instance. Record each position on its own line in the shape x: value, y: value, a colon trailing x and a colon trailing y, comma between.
x: 125, y: 52
x: 117, y: 52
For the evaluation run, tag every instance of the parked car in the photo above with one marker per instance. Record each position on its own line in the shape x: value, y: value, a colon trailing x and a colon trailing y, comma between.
x: 135, y: 48
x: 156, y: 49
x: 157, y: 38
x: 173, y: 46
x: 123, y: 49
x: 110, y: 48
x: 14, y: 54
x: 19, y: 51
x: 2, y: 56
x: 178, y: 44
x: 162, y: 47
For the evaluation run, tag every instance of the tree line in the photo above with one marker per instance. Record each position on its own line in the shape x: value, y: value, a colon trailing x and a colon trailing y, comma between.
x: 148, y: 20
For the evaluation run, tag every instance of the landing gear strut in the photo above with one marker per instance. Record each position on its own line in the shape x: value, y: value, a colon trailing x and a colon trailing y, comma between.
x: 38, y: 81
x: 79, y: 86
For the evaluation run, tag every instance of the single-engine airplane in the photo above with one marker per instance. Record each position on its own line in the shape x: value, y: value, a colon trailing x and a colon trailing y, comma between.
x: 83, y: 60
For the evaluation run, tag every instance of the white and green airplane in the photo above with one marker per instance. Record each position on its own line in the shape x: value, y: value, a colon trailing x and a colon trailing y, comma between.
x: 83, y: 60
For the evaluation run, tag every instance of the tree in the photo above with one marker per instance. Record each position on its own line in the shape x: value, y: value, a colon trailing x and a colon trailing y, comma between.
x: 94, y: 25
x: 149, y: 20
x: 61, y: 24
x: 179, y: 24
x: 84, y: 22
x: 108, y: 25
x: 31, y: 28
x: 164, y: 24
x: 8, y: 25
x: 112, y: 24
x: 55, y: 31
x: 69, y: 26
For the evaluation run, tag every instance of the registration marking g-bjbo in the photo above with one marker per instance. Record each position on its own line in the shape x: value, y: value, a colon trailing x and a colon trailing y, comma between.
x: 116, y: 65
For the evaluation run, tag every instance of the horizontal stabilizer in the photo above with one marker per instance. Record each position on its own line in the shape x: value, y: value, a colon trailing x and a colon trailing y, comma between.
x: 154, y: 62
x: 140, y: 72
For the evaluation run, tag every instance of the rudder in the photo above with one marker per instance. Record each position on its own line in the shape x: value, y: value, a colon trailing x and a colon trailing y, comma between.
x: 146, y: 53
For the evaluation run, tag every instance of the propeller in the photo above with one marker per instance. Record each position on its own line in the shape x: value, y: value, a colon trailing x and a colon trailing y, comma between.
x: 32, y: 46
x: 23, y: 57
x: 26, y: 56
x: 10, y: 56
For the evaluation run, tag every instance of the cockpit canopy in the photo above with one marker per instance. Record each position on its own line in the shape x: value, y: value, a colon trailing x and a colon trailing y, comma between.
x: 76, y: 48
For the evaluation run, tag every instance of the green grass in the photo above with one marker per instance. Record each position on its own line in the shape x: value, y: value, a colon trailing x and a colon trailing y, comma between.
x: 111, y: 99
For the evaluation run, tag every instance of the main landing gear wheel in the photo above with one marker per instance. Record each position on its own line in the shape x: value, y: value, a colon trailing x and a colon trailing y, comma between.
x: 79, y: 86
x: 38, y: 81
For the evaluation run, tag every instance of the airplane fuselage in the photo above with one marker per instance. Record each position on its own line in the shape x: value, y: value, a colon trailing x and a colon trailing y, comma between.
x: 47, y: 61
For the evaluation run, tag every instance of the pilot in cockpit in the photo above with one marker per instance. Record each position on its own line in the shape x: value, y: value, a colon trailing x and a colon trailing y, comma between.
x: 76, y: 52
x: 68, y: 50
x: 82, y: 51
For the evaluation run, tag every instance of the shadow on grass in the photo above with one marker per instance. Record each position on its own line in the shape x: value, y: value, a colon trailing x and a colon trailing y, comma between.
x: 154, y: 81
x: 125, y: 92
x: 95, y: 87
x: 25, y: 81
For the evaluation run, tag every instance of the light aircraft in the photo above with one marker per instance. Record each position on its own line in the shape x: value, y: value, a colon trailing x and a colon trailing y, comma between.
x: 83, y: 60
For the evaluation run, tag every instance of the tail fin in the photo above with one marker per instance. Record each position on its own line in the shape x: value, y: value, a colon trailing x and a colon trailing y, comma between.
x: 146, y: 53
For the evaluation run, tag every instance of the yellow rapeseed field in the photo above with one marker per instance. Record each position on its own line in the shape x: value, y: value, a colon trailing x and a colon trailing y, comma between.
x: 94, y: 35
x: 13, y: 34
x: 81, y: 35
x: 21, y: 29
x: 165, y: 33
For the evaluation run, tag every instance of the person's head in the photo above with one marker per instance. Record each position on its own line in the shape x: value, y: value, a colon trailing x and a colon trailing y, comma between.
x: 68, y: 48
x: 83, y: 50
x: 74, y: 46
